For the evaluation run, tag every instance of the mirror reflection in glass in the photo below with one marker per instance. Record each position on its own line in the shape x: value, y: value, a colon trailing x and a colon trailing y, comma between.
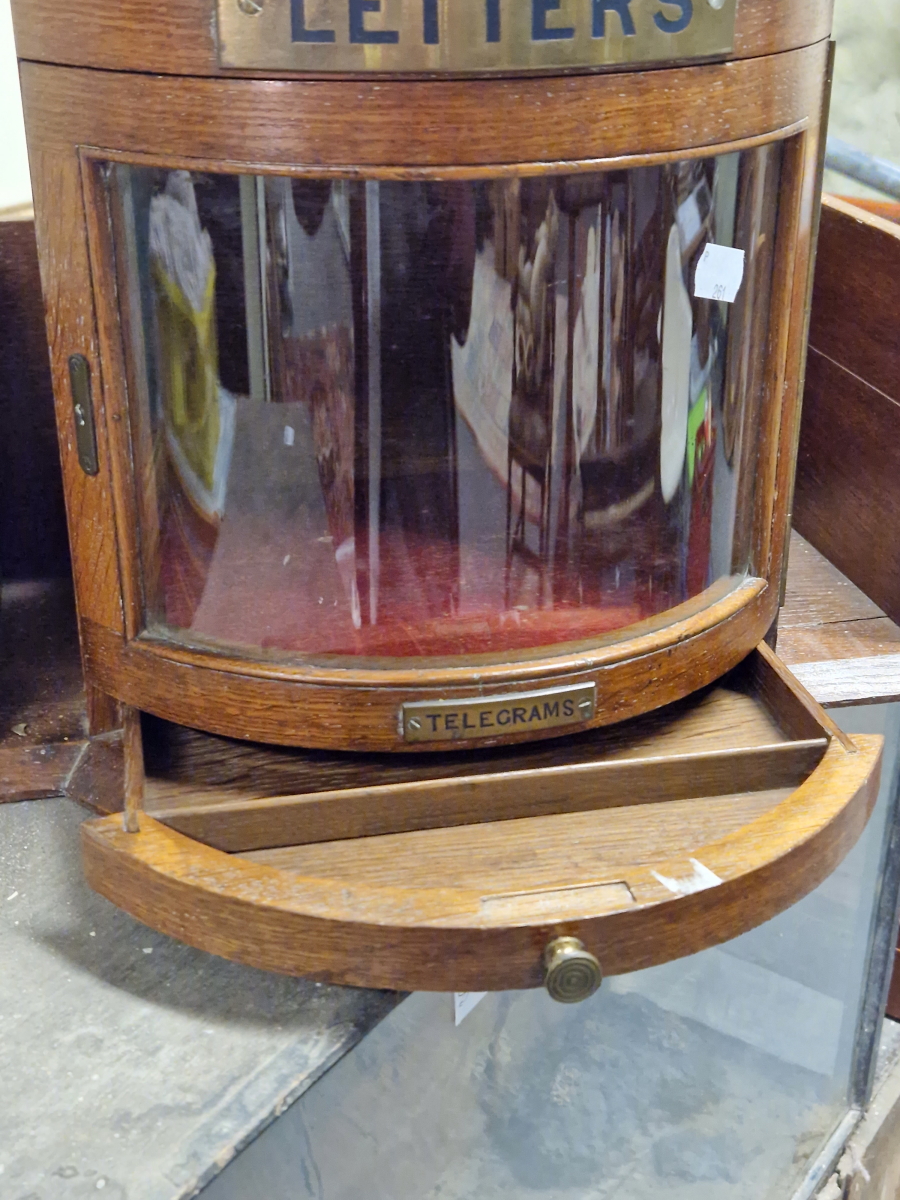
x: 422, y: 418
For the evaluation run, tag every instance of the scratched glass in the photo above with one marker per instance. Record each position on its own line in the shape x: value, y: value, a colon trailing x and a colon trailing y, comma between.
x: 428, y: 419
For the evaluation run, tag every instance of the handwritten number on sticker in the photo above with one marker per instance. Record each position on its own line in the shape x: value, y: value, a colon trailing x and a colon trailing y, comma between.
x: 719, y: 274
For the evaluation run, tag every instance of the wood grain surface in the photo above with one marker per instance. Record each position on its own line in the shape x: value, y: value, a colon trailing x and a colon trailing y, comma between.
x: 440, y: 934
x: 854, y: 311
x: 75, y: 117
x: 336, y: 713
x: 471, y: 904
x: 66, y: 281
x: 869, y: 680
x: 222, y: 770
x: 819, y: 595
x: 98, y: 780
x: 177, y: 36
x: 874, y: 637
x: 848, y: 502
x: 833, y: 637
x: 239, y: 825
x: 294, y: 123
x: 33, y: 772
x: 756, y: 730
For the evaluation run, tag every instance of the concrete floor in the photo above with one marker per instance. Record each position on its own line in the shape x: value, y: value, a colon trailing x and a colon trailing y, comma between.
x: 129, y: 1063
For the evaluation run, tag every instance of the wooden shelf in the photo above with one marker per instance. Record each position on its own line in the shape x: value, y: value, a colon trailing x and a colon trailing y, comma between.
x: 647, y: 841
x: 837, y: 641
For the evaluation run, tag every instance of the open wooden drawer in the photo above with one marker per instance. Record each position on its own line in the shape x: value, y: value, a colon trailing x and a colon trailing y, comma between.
x: 645, y: 841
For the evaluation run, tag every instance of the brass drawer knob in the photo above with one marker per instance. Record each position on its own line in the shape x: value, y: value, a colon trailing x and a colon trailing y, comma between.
x: 571, y: 973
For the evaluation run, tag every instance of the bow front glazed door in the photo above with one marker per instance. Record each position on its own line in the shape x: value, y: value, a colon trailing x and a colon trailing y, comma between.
x: 396, y: 420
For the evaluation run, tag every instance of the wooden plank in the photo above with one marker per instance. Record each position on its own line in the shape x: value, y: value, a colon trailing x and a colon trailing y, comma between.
x: 217, y: 771
x: 871, y: 680
x: 818, y: 594
x: 98, y: 781
x: 893, y: 1000
x: 133, y: 753
x: 243, y: 825
x: 870, y: 638
x: 68, y: 298
x: 855, y: 306
x: 34, y: 772
x: 827, y: 619
x: 847, y: 499
x: 519, y: 121
x: 888, y: 209
x: 536, y: 854
x: 829, y: 637
x: 786, y: 695
x: 441, y: 936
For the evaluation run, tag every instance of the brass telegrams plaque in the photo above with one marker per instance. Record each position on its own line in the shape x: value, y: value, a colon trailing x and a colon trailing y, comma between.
x: 494, y: 716
x: 469, y: 35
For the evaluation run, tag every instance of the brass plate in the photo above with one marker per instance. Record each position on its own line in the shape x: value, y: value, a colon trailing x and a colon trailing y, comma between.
x: 461, y: 36
x: 522, y: 712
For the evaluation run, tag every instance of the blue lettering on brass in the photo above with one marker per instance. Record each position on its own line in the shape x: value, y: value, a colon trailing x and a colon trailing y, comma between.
x: 299, y: 32
x: 675, y: 24
x: 492, y: 19
x: 431, y: 33
x: 621, y: 7
x: 359, y: 35
x: 539, y: 30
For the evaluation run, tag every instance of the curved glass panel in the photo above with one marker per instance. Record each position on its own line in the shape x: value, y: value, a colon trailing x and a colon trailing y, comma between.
x: 402, y: 418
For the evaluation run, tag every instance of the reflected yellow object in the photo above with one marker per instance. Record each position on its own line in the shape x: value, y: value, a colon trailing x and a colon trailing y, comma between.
x: 189, y: 366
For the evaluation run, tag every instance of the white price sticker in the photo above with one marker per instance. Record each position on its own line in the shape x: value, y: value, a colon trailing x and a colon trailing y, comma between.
x: 720, y: 273
x: 463, y: 1003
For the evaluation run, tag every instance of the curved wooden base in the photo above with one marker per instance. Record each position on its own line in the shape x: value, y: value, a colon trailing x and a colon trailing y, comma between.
x: 440, y: 910
x: 310, y: 708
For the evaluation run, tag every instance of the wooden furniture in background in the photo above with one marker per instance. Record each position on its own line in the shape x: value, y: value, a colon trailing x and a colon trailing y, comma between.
x: 847, y: 501
x: 840, y: 616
